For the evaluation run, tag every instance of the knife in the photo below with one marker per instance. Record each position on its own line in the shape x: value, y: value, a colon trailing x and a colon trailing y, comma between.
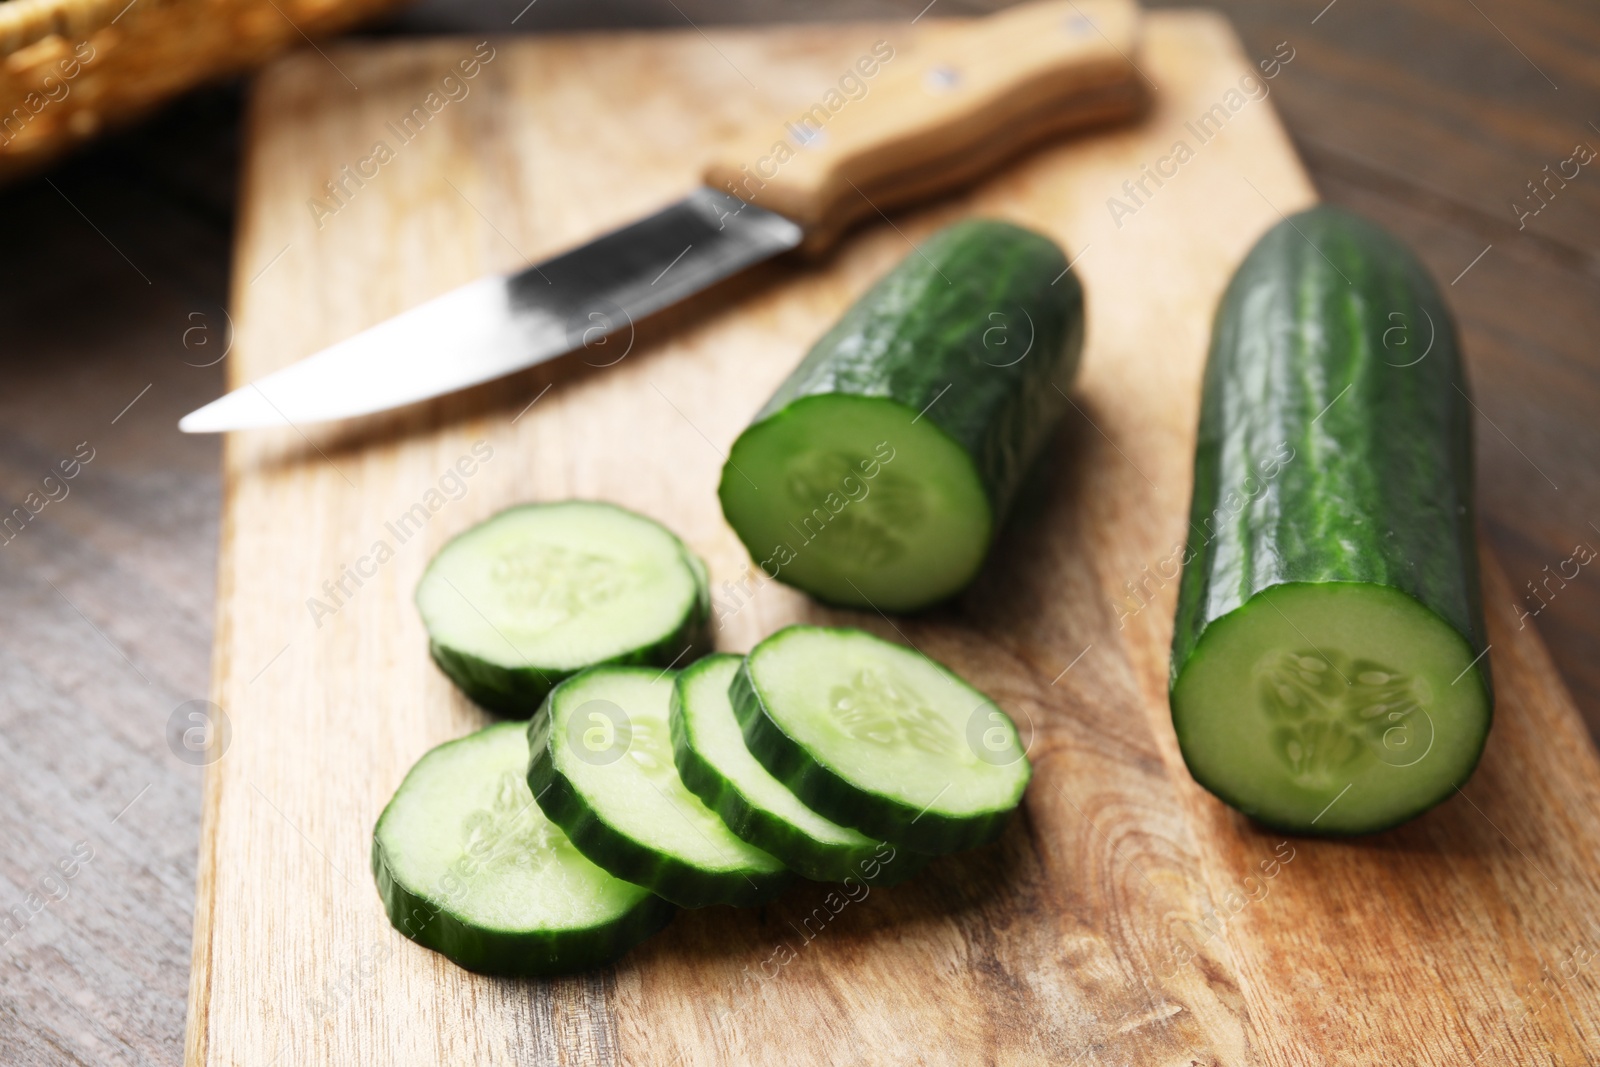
x: 906, y: 127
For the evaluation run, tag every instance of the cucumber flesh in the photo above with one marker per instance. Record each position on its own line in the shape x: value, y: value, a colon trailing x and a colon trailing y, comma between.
x: 714, y: 763
x: 1347, y: 707
x: 539, y: 592
x: 858, y: 501
x: 880, y: 737
x: 602, y: 769
x: 468, y: 865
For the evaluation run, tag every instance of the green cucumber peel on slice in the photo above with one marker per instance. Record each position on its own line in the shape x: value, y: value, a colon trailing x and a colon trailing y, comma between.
x: 713, y: 761
x: 1329, y: 667
x: 602, y: 769
x: 467, y: 865
x: 879, y: 471
x: 539, y: 592
x: 880, y: 737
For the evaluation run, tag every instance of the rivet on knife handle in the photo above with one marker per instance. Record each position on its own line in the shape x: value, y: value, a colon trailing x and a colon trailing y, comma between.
x: 941, y: 112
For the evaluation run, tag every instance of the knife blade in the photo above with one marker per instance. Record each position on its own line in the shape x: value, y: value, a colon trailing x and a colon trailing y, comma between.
x: 966, y: 98
x: 499, y: 324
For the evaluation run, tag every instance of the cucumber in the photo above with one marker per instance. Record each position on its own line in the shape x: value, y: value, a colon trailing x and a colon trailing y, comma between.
x: 541, y: 591
x: 878, y: 472
x: 469, y: 866
x: 714, y: 763
x: 602, y: 769
x: 1328, y: 668
x: 880, y: 737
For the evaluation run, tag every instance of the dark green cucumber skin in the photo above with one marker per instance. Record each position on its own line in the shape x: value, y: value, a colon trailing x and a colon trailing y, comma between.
x: 531, y: 954
x: 1309, y: 347
x: 771, y: 834
x: 516, y: 692
x: 927, y: 330
x: 620, y: 855
x: 511, y: 692
x: 820, y: 788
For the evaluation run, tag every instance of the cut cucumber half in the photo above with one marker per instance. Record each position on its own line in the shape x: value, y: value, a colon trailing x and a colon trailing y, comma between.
x: 714, y: 763
x: 880, y: 737
x: 602, y: 770
x: 878, y: 472
x: 541, y: 591
x: 1329, y: 660
x: 469, y: 866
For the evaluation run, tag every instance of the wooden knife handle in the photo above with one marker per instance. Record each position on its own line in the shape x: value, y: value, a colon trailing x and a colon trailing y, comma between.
x: 902, y: 125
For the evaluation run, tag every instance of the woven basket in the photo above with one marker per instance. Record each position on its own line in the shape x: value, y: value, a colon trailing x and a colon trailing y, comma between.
x: 71, y: 67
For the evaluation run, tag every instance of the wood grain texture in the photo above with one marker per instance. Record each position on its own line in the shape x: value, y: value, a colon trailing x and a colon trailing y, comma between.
x: 1113, y: 923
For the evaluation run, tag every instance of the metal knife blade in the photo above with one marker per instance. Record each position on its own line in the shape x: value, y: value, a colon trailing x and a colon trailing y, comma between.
x: 500, y: 324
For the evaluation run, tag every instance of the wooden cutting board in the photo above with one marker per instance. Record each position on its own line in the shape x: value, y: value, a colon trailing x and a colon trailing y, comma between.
x: 1125, y: 918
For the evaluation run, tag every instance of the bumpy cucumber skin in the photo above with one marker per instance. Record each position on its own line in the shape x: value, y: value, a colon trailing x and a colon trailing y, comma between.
x: 1380, y: 489
x: 947, y: 323
x: 516, y: 692
x: 533, y: 953
x: 803, y: 854
x: 619, y: 854
x: 927, y: 325
x: 822, y: 789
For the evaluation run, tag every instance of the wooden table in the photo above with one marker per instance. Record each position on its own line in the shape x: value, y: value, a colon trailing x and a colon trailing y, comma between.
x: 1426, y: 116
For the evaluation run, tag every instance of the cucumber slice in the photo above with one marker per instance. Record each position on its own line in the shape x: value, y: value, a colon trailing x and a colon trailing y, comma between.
x: 541, y: 591
x: 879, y: 471
x: 602, y: 770
x: 1329, y: 668
x: 714, y: 763
x: 880, y: 737
x: 469, y: 866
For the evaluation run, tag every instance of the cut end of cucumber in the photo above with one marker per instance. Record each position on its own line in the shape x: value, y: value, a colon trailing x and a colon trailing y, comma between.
x: 859, y: 501
x: 1338, y: 708
x: 541, y: 591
